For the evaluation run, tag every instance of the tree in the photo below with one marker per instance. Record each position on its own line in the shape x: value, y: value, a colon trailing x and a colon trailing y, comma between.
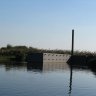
x: 9, y: 46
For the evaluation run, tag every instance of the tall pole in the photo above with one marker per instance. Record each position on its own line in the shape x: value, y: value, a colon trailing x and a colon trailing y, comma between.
x: 71, y: 73
x: 72, y: 51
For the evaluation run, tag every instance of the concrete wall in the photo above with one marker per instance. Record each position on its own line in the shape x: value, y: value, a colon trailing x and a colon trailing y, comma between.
x: 47, y: 57
x: 34, y: 57
x: 52, y: 57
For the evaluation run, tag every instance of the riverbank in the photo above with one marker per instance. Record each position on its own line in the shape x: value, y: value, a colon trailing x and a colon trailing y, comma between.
x: 89, y: 60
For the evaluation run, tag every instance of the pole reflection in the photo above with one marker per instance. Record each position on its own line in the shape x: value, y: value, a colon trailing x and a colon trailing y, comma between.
x: 70, y: 83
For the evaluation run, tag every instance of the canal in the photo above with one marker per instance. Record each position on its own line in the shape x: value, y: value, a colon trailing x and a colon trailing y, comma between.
x: 48, y: 79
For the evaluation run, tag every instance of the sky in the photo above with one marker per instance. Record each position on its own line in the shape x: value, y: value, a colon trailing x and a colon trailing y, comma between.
x: 48, y: 24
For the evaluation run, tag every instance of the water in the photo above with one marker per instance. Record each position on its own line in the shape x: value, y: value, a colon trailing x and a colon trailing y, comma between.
x: 49, y: 79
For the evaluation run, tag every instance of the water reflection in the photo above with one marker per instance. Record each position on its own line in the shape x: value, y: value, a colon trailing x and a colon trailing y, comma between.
x: 35, y: 67
x: 53, y: 67
x: 13, y: 66
x: 93, y: 69
x: 47, y: 66
x: 70, y: 83
x: 44, y: 67
x: 76, y: 66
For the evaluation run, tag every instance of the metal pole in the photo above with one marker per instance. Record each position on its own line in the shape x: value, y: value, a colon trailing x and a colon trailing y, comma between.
x: 72, y: 51
x: 71, y: 73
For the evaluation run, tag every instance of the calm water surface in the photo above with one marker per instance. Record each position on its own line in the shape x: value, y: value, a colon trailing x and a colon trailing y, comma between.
x: 49, y: 79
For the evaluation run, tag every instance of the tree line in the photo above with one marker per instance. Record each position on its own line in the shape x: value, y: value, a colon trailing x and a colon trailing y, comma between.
x: 20, y: 52
x: 12, y: 50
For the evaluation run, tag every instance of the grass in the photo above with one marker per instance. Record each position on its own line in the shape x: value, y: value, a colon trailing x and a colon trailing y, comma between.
x: 6, y: 58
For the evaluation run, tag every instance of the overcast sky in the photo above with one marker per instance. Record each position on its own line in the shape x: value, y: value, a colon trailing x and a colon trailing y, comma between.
x: 48, y: 23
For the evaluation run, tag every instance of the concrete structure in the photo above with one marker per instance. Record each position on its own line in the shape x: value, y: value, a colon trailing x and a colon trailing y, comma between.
x: 52, y: 57
x: 47, y: 57
x: 34, y: 57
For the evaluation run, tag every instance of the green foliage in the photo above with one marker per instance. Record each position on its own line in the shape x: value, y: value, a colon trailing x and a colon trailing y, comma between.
x: 9, y: 46
x: 20, y: 52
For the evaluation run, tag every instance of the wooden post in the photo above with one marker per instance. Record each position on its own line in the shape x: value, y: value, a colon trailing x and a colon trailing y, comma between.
x: 72, y: 51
